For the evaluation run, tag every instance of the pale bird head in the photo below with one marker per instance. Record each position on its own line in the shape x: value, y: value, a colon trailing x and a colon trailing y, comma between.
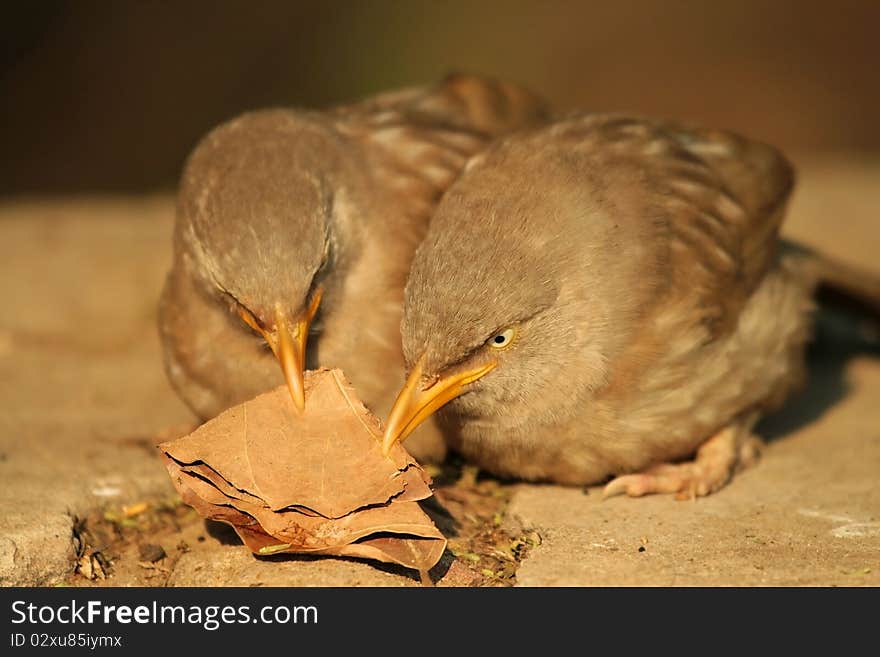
x: 260, y: 205
x: 517, y: 299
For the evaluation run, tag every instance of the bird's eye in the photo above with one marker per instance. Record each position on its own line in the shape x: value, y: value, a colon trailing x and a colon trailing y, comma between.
x: 502, y: 339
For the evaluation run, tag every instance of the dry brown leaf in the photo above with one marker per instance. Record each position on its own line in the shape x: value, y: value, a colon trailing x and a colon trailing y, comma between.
x: 313, y: 482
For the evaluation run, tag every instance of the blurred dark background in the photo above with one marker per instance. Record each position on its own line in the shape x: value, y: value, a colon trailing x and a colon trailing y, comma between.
x: 105, y: 96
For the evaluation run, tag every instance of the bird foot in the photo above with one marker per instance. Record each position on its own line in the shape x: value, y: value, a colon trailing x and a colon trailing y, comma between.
x: 728, y: 451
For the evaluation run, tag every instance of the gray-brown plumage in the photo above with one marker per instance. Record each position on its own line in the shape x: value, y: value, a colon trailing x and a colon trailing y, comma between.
x: 603, y: 296
x: 292, y: 222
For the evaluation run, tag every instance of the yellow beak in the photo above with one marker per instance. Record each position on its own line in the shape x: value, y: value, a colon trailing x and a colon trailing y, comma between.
x: 416, y: 401
x: 288, y: 343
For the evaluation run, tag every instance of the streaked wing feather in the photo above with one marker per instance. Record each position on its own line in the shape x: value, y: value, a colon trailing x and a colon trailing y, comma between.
x: 418, y: 140
x: 722, y: 198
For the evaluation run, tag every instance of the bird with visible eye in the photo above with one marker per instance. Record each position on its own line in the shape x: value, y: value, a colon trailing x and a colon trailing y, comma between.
x: 639, y: 307
x: 503, y: 339
x: 294, y: 233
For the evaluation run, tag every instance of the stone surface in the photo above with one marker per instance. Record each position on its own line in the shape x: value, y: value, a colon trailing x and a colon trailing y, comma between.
x: 226, y: 565
x: 83, y: 398
x: 81, y: 381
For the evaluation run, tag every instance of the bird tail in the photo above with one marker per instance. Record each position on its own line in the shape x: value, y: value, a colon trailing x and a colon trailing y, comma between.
x: 837, y: 282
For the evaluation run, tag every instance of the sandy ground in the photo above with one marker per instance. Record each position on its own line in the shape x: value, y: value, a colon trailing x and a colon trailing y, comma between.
x: 84, y: 396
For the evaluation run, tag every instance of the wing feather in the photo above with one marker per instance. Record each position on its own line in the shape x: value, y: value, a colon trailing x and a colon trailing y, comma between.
x: 720, y: 197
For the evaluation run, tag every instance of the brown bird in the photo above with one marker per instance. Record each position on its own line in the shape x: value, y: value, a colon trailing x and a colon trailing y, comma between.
x: 294, y: 222
x: 603, y: 297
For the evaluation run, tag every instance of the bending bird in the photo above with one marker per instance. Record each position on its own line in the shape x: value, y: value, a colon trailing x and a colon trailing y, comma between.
x: 605, y: 297
x: 294, y: 234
